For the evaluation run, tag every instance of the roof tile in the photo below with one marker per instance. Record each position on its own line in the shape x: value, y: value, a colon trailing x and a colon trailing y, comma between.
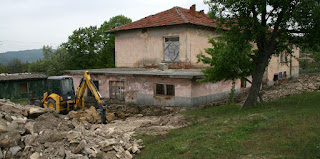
x: 173, y: 16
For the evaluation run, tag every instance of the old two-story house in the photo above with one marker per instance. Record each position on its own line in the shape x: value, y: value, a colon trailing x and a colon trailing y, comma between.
x: 156, y: 62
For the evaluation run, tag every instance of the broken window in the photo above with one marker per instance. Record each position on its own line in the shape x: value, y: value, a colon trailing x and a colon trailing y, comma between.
x: 23, y: 87
x: 89, y: 93
x: 164, y: 89
x: 116, y: 89
x: 160, y: 89
x: 171, y: 49
x: 170, y: 90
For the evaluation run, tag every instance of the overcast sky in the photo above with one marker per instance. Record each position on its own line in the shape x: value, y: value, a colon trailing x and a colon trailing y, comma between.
x: 30, y: 24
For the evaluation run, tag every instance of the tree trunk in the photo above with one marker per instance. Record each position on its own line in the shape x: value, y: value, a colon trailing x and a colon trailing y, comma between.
x: 231, y: 94
x: 257, y: 76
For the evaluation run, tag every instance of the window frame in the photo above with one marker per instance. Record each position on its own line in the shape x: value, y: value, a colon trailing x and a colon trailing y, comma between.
x: 113, y: 85
x: 166, y: 47
x: 165, y: 89
x: 283, y: 57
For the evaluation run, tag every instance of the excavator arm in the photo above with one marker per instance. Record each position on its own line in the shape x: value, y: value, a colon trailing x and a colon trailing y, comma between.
x: 85, y: 82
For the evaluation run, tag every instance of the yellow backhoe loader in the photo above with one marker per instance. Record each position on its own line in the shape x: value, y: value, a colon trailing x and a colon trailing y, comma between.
x: 60, y: 94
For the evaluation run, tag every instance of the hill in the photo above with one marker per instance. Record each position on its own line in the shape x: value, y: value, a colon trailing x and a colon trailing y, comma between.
x: 24, y: 55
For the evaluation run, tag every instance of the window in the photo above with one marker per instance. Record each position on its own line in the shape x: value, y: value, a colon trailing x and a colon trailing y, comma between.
x: 170, y: 90
x: 89, y: 93
x: 164, y: 89
x: 243, y: 83
x: 275, y: 77
x: 283, y: 57
x: 160, y: 89
x: 23, y: 87
x: 284, y: 74
x: 171, y: 49
x: 116, y: 90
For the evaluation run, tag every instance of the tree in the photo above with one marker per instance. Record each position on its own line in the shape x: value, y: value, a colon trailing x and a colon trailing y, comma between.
x: 107, y: 55
x: 3, y: 68
x: 227, y: 63
x: 90, y: 47
x: 273, y: 26
x: 53, y: 63
x: 16, y: 66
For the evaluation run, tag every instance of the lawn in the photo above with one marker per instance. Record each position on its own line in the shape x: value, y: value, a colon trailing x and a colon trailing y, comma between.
x: 286, y: 128
x: 22, y: 101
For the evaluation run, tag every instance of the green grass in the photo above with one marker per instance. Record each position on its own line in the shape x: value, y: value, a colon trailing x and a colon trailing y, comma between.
x: 19, y: 101
x: 286, y: 128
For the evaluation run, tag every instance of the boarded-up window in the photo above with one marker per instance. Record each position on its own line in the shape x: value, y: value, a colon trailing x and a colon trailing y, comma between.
x: 116, y: 89
x: 171, y: 49
x: 96, y: 83
x: 164, y: 89
x: 23, y: 88
x: 283, y: 57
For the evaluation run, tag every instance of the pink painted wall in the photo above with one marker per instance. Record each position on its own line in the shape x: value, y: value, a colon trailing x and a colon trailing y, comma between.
x: 140, y: 84
x: 140, y: 89
x: 275, y: 66
x: 139, y: 48
x: 208, y: 88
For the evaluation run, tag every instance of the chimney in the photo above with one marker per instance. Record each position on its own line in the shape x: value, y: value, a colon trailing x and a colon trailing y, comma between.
x: 202, y: 12
x: 193, y: 9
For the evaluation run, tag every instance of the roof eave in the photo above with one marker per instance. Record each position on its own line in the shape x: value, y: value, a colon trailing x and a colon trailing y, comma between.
x: 108, y: 32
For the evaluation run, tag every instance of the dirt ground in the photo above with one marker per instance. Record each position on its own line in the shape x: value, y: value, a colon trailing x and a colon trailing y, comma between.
x: 27, y: 131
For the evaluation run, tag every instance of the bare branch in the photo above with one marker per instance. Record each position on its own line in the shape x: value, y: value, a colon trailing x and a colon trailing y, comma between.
x: 247, y: 80
x: 263, y: 15
x: 295, y: 31
x: 252, y: 57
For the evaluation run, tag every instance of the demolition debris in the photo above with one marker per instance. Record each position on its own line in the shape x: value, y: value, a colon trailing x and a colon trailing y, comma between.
x: 32, y: 132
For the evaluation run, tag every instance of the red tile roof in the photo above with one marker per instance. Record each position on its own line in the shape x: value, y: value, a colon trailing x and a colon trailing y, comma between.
x: 173, y: 16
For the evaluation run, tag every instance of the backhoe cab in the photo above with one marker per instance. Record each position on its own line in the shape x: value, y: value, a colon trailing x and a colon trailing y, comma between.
x: 60, y: 94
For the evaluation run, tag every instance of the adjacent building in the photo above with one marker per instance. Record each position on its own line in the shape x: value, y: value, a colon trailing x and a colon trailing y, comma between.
x: 22, y: 85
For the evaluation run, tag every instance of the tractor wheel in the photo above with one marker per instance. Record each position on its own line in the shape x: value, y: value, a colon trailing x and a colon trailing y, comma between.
x: 51, y: 104
x: 38, y: 103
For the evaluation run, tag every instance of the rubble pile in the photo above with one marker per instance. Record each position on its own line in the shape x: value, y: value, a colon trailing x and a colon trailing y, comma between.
x: 131, y: 110
x: 304, y: 83
x: 32, y: 132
